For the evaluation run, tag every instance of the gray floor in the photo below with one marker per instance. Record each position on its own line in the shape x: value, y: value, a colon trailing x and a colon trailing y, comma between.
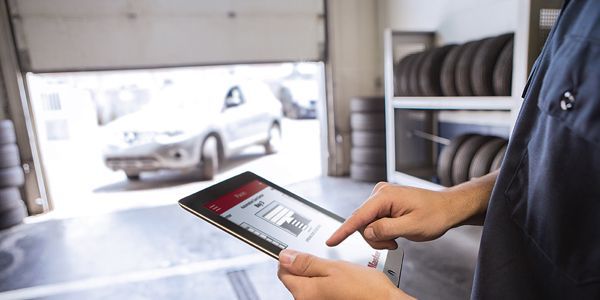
x: 166, y: 253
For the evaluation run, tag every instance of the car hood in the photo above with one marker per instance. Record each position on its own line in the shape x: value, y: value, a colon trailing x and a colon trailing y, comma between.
x: 163, y: 121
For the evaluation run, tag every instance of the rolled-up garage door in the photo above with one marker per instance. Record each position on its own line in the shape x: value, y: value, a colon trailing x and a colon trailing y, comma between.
x: 65, y: 35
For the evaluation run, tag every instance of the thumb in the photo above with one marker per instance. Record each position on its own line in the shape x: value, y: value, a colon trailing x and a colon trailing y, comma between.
x: 302, y: 264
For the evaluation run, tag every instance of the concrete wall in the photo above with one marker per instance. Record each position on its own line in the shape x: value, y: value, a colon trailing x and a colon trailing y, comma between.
x: 454, y: 21
x: 353, y: 69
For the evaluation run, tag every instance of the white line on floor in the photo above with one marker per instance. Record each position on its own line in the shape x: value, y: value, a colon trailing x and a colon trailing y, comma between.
x: 139, y: 276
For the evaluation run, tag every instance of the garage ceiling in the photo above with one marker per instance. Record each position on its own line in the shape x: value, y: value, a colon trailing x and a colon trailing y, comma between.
x: 68, y: 35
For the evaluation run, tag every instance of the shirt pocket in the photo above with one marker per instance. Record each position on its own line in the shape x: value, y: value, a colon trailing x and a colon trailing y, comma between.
x: 570, y: 89
x: 554, y: 193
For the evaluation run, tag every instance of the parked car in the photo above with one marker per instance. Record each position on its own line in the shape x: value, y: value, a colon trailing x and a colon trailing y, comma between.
x: 197, y: 137
x: 299, y: 98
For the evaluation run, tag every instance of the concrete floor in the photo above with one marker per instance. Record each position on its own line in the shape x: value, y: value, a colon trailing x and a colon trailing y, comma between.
x: 165, y: 253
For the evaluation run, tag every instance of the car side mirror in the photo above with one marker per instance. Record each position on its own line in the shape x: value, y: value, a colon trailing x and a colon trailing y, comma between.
x: 232, y: 102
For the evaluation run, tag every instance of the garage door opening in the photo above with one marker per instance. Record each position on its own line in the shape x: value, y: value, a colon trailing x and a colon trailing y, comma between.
x: 114, y: 140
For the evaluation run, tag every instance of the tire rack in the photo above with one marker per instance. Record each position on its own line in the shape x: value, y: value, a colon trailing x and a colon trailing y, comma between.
x: 502, y: 110
x: 12, y: 207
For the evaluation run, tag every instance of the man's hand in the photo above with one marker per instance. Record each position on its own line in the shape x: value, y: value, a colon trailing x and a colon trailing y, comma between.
x: 394, y: 211
x: 309, y: 277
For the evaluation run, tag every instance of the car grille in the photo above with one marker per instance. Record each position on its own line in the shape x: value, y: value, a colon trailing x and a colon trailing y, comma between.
x: 131, y: 162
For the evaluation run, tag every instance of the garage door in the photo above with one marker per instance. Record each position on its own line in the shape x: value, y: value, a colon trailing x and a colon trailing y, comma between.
x: 67, y: 35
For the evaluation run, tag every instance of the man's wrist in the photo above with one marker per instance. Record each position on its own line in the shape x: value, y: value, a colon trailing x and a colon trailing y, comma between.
x: 467, y: 202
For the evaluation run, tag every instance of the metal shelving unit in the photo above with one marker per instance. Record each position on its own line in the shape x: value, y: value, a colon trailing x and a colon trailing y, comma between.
x: 454, y: 103
x: 414, y: 165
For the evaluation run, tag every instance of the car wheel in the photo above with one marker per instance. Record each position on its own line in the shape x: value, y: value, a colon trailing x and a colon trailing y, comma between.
x: 13, y: 216
x: 484, y: 157
x: 464, y: 156
x: 132, y: 176
x: 209, y: 163
x: 11, y: 177
x: 462, y: 71
x: 366, y: 172
x: 484, y: 61
x: 7, y: 132
x: 10, y: 197
x: 273, y: 144
x: 9, y: 156
x: 446, y: 158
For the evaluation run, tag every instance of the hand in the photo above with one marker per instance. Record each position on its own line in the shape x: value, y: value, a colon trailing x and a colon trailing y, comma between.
x: 394, y: 211
x: 309, y: 277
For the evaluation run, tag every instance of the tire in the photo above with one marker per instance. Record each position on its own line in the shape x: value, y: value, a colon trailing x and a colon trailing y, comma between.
x: 430, y: 70
x: 446, y: 158
x: 368, y: 139
x: 367, y: 121
x: 462, y: 73
x: 502, y: 78
x: 484, y: 61
x: 7, y: 132
x: 9, y: 198
x: 273, y: 144
x: 413, y: 74
x: 209, y: 158
x: 9, y: 156
x: 447, y: 72
x: 132, y: 176
x: 404, y: 83
x: 497, y: 163
x: 365, y: 172
x: 399, y: 70
x: 11, y: 177
x: 464, y: 157
x: 365, y: 155
x: 367, y: 104
x: 13, y: 216
x: 483, y: 159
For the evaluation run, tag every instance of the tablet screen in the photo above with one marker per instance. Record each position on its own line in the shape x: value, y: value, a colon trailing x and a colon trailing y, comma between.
x: 285, y: 222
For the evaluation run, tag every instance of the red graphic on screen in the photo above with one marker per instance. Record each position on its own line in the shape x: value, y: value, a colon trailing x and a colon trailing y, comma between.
x: 229, y: 200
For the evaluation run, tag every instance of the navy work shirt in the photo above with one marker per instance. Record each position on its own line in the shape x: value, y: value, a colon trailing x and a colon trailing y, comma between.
x: 541, y: 237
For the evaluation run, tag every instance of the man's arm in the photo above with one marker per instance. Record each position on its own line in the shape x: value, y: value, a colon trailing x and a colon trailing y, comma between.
x: 394, y: 211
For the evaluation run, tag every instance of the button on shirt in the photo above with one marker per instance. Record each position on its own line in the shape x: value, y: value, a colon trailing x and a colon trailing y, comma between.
x: 541, y: 237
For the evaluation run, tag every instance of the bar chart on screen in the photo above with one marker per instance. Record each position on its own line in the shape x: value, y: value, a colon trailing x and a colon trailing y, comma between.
x: 284, y: 218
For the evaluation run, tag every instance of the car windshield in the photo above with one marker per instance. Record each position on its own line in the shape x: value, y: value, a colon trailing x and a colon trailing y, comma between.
x: 202, y: 97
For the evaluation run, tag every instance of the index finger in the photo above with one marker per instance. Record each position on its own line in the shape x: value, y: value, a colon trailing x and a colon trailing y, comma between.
x: 361, y: 218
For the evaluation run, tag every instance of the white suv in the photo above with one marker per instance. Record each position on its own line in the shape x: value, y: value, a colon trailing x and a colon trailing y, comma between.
x: 197, y: 137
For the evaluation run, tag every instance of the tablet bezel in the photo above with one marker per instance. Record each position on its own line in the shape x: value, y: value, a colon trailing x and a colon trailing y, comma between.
x: 195, y: 204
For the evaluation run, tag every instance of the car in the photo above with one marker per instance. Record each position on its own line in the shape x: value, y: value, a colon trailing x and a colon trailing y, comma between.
x: 194, y: 137
x: 299, y: 98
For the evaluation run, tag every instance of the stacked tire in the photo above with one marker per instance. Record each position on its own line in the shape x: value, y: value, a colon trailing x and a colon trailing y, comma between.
x: 12, y: 208
x: 470, y: 156
x: 367, y: 122
x: 476, y: 68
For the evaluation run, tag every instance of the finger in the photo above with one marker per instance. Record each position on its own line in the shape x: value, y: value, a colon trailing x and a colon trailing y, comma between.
x: 390, y: 245
x: 294, y: 284
x: 381, y: 245
x: 378, y: 186
x: 364, y: 215
x: 302, y: 264
x: 387, y: 229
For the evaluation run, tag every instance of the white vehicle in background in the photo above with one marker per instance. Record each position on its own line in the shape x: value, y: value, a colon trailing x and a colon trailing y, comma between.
x: 299, y: 98
x: 195, y: 137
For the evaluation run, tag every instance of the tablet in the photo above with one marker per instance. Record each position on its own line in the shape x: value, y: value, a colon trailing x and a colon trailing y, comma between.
x: 270, y: 218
